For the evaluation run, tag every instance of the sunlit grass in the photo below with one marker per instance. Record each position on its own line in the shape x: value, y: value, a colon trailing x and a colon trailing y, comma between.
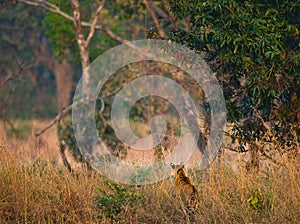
x: 44, y: 192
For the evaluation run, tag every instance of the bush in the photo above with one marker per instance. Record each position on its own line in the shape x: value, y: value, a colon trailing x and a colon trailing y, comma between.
x: 116, y: 203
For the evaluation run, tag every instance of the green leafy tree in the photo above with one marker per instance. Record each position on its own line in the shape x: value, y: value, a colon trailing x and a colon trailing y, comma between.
x: 254, y: 48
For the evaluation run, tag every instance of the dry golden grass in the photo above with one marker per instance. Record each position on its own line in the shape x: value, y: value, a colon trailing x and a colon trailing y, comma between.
x: 44, y: 192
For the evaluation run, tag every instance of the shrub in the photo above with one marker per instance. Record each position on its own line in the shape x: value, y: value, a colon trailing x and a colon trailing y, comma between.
x: 117, y: 201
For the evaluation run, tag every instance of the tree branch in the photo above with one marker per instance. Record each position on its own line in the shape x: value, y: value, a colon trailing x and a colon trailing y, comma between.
x: 94, y: 23
x: 47, y: 6
x: 60, y: 115
x: 159, y: 11
x: 12, y: 76
x: 66, y: 110
x: 82, y: 45
x: 168, y: 9
x: 77, y: 23
x: 262, y: 120
x: 126, y: 42
x: 55, y: 9
x: 153, y: 15
x: 6, y: 80
x: 55, y: 120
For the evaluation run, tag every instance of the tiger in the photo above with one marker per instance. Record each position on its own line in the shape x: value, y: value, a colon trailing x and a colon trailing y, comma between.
x: 185, y: 191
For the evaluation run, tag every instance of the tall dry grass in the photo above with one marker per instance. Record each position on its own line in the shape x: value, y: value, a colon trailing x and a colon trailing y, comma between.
x: 44, y: 192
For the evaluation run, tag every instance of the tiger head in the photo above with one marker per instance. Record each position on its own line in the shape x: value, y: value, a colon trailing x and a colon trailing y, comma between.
x: 175, y: 168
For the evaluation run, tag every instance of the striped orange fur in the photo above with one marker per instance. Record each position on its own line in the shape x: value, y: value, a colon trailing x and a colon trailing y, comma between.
x: 184, y: 189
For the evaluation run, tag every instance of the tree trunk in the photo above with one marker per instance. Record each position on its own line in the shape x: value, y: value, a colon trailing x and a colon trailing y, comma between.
x: 62, y: 71
x: 63, y: 76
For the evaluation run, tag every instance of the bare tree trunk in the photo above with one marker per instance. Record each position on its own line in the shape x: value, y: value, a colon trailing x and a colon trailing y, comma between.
x: 63, y: 76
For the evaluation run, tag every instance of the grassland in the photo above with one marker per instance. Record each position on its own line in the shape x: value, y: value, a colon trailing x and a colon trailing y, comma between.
x: 43, y: 191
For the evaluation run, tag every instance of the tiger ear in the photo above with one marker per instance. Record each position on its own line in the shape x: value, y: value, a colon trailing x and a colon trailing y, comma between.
x: 182, y: 164
x: 172, y: 165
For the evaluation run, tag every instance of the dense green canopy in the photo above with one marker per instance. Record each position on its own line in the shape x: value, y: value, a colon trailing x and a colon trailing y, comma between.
x: 254, y: 48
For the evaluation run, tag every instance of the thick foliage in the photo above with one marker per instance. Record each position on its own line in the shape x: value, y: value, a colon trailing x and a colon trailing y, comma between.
x: 254, y: 48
